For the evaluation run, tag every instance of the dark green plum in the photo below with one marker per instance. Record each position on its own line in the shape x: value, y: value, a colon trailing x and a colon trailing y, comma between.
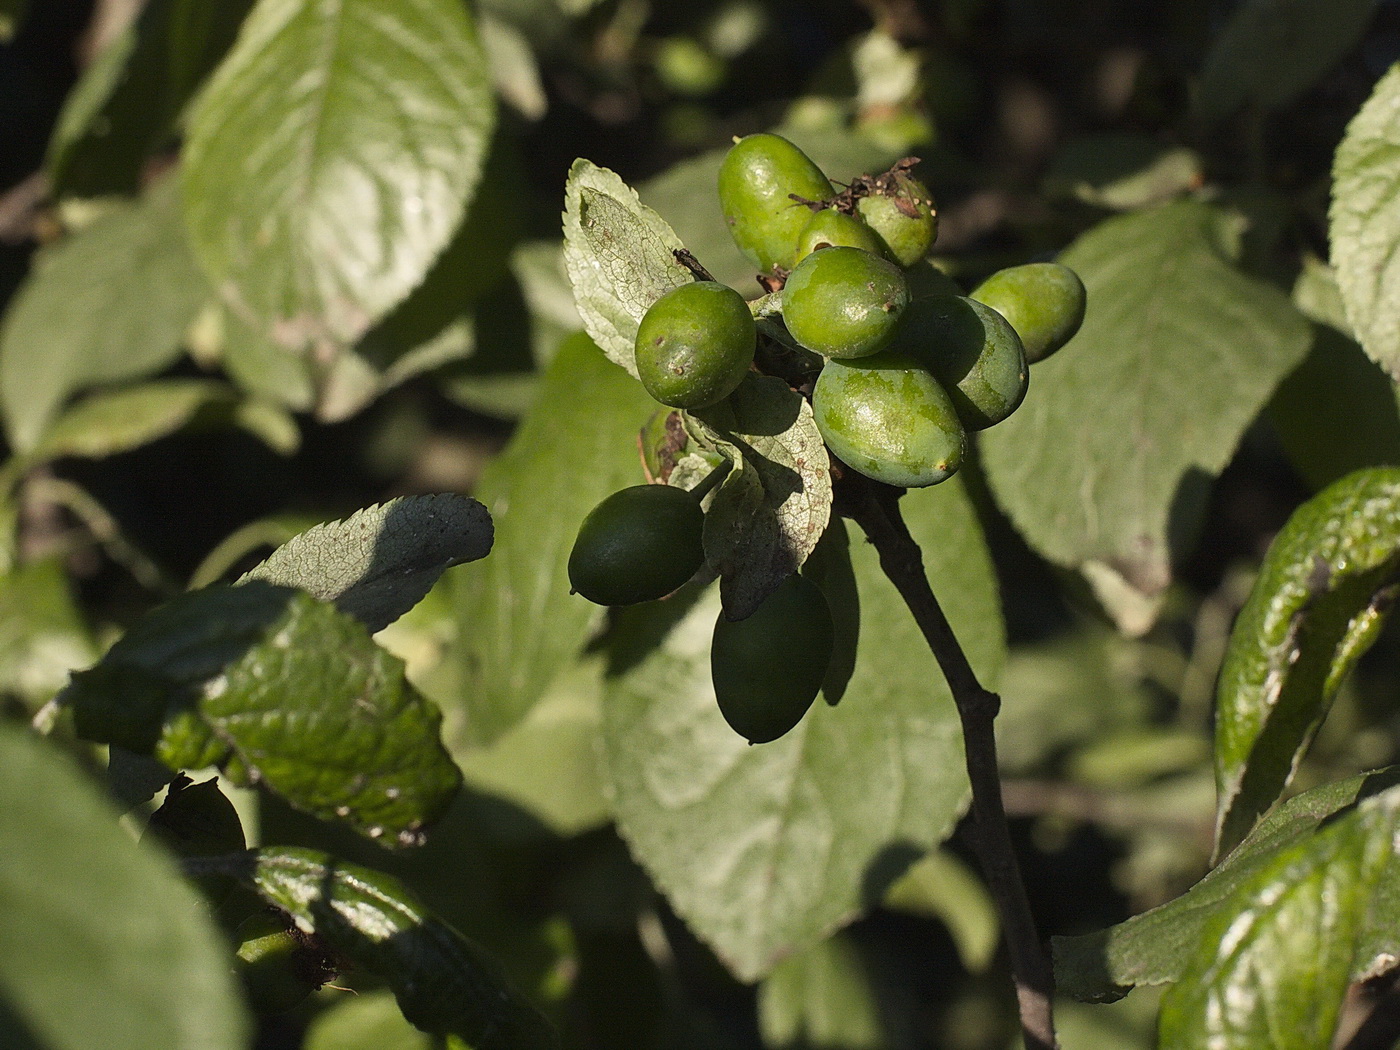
x: 904, y: 218
x: 887, y: 417
x: 695, y: 344
x: 756, y: 179
x: 768, y: 668
x: 973, y: 353
x: 639, y: 544
x: 1043, y: 301
x: 830, y: 228
x: 844, y: 302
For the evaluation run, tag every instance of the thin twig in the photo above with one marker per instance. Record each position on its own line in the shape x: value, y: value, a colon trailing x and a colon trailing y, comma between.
x: 900, y: 558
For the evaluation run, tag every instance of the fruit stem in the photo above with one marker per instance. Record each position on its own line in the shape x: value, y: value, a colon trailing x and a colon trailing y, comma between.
x: 703, y: 487
x: 876, y: 511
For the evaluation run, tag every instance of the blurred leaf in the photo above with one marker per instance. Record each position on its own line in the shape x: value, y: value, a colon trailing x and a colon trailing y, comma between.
x: 1271, y: 51
x: 519, y: 623
x: 1364, y: 225
x: 1154, y: 947
x: 129, y: 99
x: 109, y: 303
x: 261, y: 367
x: 370, y: 1020
x: 42, y: 633
x: 1104, y: 468
x: 1272, y: 967
x: 279, y: 689
x: 444, y: 983
x: 1322, y: 595
x: 1122, y: 171
x: 940, y: 886
x: 763, y: 850
x: 513, y: 68
x: 271, y: 531
x: 11, y: 14
x: 821, y: 997
x: 102, y: 942
x: 773, y: 506
x: 379, y: 562
x: 331, y: 158
x: 619, y: 255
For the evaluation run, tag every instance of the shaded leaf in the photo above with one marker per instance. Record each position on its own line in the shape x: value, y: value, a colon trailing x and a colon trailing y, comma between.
x: 443, y: 982
x: 331, y: 158
x: 765, y: 849
x: 618, y: 253
x: 1365, y: 230
x: 821, y: 997
x: 1322, y: 594
x: 11, y: 14
x: 519, y: 623
x: 1272, y: 968
x: 106, y: 304
x: 773, y: 506
x: 1154, y: 947
x: 80, y: 902
x: 370, y: 1020
x: 279, y: 689
x: 940, y: 886
x: 1105, y: 467
x: 379, y: 562
x: 1122, y: 171
x: 42, y: 632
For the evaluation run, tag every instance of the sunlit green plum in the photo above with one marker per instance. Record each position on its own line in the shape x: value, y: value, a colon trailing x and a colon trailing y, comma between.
x: 904, y: 218
x: 1043, y: 301
x: 887, y: 417
x: 695, y: 344
x: 844, y: 302
x: 756, y: 180
x: 279, y: 966
x: 768, y: 668
x: 973, y: 353
x: 830, y: 228
x: 639, y: 544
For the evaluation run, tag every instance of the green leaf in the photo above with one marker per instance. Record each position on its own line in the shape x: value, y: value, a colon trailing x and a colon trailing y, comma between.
x: 370, y: 1020
x: 331, y: 158
x: 519, y: 624
x: 379, y: 562
x: 773, y: 506
x: 1272, y: 968
x: 1122, y: 171
x: 42, y: 632
x: 1322, y: 594
x: 1105, y: 467
x: 1154, y: 947
x: 279, y: 689
x: 444, y: 984
x: 1364, y: 229
x: 11, y: 15
x: 1271, y: 51
x: 108, y: 303
x: 129, y: 99
x: 940, y: 886
x: 619, y: 255
x: 102, y: 943
x: 821, y: 997
x: 765, y: 849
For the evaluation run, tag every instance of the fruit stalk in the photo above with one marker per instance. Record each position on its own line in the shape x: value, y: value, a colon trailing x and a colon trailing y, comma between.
x: 875, y: 508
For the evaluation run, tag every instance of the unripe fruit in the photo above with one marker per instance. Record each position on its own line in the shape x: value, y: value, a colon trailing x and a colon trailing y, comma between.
x: 835, y: 229
x: 279, y: 965
x: 904, y: 218
x: 755, y: 180
x: 972, y: 351
x: 844, y: 302
x: 694, y: 344
x: 887, y: 417
x: 1043, y: 301
x: 639, y: 544
x: 768, y: 668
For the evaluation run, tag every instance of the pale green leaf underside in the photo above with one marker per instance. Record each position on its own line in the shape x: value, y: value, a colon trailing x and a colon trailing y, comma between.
x: 102, y: 943
x: 1365, y: 223
x: 765, y: 849
x: 1104, y: 468
x: 379, y: 562
x: 331, y: 157
x: 821, y: 997
x: 619, y: 255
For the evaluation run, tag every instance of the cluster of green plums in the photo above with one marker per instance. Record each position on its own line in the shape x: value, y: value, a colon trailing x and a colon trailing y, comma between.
x: 908, y: 367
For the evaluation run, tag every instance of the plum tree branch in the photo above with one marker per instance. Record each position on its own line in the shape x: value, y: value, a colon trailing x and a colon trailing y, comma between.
x: 875, y: 508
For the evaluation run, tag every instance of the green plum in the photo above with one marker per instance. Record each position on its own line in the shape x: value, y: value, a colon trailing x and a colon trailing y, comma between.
x: 972, y: 351
x: 1043, y: 301
x: 279, y: 965
x: 768, y: 668
x: 903, y: 215
x: 756, y: 180
x: 844, y: 302
x: 639, y: 544
x: 830, y: 228
x: 887, y: 417
x: 695, y: 344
